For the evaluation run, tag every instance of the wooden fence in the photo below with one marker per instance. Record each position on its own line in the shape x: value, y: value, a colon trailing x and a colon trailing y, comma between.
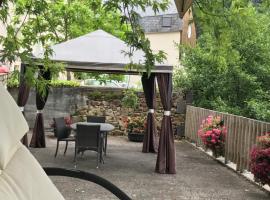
x: 241, y: 136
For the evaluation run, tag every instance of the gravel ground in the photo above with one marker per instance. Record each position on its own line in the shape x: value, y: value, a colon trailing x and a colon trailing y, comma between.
x: 198, y: 176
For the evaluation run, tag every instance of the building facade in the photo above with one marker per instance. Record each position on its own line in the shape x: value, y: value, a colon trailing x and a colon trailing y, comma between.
x: 166, y: 30
x: 163, y: 32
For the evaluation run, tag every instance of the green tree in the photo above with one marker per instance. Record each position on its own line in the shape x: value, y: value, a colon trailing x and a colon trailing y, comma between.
x: 73, y: 18
x: 31, y: 22
x: 69, y: 19
x: 229, y: 69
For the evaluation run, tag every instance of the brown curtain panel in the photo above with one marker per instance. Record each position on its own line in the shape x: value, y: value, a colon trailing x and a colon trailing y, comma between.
x: 150, y: 141
x: 38, y: 137
x: 23, y: 95
x: 166, y: 151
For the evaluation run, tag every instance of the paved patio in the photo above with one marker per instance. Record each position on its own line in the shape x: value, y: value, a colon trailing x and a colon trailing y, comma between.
x: 198, y: 176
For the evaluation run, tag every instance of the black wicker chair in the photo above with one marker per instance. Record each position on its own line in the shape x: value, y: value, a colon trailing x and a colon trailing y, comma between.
x: 99, y: 119
x: 62, y: 132
x: 88, y: 177
x: 88, y: 137
x: 96, y: 119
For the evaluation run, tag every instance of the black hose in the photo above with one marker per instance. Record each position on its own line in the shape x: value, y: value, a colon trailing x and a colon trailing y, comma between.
x: 52, y: 171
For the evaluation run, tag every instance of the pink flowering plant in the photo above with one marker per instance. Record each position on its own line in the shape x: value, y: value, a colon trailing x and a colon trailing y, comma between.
x: 136, y: 124
x: 260, y: 160
x: 213, y: 132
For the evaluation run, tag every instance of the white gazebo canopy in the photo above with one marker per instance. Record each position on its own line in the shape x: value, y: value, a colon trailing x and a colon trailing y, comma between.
x: 99, y: 51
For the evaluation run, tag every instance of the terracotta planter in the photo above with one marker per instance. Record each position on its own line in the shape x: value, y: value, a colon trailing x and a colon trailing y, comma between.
x: 135, y: 137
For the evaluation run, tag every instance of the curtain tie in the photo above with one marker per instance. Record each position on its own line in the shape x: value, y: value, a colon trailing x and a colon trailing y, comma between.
x: 151, y: 111
x: 21, y: 108
x: 167, y: 113
x: 39, y: 111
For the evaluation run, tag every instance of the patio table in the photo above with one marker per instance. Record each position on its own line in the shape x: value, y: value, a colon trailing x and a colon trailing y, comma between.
x: 104, y: 127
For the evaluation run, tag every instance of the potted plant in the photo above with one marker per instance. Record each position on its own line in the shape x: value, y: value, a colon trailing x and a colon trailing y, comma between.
x: 135, y: 128
x: 260, y: 160
x: 213, y: 132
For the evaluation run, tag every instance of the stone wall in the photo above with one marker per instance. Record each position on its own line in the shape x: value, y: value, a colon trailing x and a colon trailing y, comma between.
x: 80, y: 102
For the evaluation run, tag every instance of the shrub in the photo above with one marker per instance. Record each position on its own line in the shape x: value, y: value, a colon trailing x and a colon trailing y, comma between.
x: 95, y: 95
x: 13, y: 79
x: 107, y: 96
x: 260, y: 160
x: 130, y: 99
x: 112, y: 95
x: 228, y: 69
x: 259, y: 109
x: 64, y: 83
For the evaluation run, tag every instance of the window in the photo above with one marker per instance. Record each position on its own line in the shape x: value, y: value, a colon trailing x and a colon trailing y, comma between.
x: 166, y: 21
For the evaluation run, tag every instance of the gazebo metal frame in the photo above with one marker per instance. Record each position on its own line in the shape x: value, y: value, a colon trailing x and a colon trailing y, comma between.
x: 115, y: 62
